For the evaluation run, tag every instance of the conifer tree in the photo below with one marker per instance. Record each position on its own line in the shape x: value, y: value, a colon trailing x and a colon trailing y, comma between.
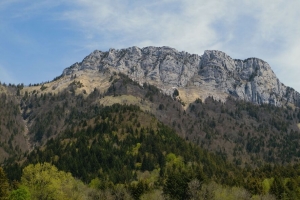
x: 4, y: 186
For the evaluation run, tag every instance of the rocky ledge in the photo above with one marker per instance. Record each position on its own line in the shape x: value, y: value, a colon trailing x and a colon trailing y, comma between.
x: 250, y: 80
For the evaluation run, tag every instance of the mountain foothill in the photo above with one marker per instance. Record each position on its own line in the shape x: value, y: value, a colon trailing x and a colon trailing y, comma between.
x: 152, y: 123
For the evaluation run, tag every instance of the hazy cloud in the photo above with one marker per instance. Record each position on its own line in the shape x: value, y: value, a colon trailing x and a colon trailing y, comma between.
x: 265, y: 29
x: 268, y: 29
x: 5, y: 76
x: 182, y: 25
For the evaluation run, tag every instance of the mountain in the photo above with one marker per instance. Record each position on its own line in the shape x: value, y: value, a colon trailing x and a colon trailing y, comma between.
x: 200, y: 97
x: 212, y: 74
x: 171, y: 121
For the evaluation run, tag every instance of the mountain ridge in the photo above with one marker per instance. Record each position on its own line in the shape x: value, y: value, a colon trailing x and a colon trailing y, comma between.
x: 214, y: 72
x: 174, y: 117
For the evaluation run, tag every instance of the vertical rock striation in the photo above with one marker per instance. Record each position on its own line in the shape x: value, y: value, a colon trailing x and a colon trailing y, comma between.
x: 251, y: 80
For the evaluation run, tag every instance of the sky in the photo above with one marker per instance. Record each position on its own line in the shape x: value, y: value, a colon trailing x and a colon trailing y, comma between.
x: 40, y: 38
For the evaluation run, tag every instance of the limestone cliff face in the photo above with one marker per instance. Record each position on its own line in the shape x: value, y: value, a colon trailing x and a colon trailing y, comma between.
x: 251, y: 79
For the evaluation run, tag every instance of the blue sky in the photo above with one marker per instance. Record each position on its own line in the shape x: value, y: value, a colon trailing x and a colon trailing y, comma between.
x: 39, y: 38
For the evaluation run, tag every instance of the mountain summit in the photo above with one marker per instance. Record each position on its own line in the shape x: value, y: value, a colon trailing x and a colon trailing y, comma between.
x: 161, y: 117
x: 212, y: 74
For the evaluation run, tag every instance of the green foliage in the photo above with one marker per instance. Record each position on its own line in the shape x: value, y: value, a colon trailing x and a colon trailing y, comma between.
x: 4, y: 186
x: 44, y: 181
x: 266, y: 184
x: 153, y: 195
x: 98, y: 152
x: 277, y: 187
x: 22, y: 193
x: 138, y: 188
x: 176, y: 185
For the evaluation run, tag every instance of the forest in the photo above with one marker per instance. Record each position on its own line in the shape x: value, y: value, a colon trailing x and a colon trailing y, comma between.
x: 125, y: 150
x: 78, y: 148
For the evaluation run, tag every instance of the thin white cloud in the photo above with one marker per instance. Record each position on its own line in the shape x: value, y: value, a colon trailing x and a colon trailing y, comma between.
x: 266, y: 29
x: 26, y: 9
x: 5, y: 3
x: 182, y: 25
x: 6, y: 77
x: 290, y: 65
x: 280, y: 26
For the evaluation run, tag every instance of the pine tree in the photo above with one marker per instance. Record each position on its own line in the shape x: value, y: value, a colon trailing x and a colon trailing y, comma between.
x: 4, y: 186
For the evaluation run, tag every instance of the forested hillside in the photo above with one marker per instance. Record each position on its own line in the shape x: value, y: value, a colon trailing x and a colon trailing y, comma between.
x: 13, y: 140
x: 244, y: 133
x: 128, y: 151
x: 135, y: 142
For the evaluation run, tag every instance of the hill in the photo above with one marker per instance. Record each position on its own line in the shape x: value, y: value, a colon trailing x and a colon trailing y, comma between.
x: 161, y: 117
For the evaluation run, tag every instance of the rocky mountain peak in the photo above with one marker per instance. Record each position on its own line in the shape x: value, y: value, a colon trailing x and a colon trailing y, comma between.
x: 218, y: 59
x: 214, y: 73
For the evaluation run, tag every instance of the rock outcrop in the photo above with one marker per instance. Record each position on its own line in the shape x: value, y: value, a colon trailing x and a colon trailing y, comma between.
x: 251, y: 79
